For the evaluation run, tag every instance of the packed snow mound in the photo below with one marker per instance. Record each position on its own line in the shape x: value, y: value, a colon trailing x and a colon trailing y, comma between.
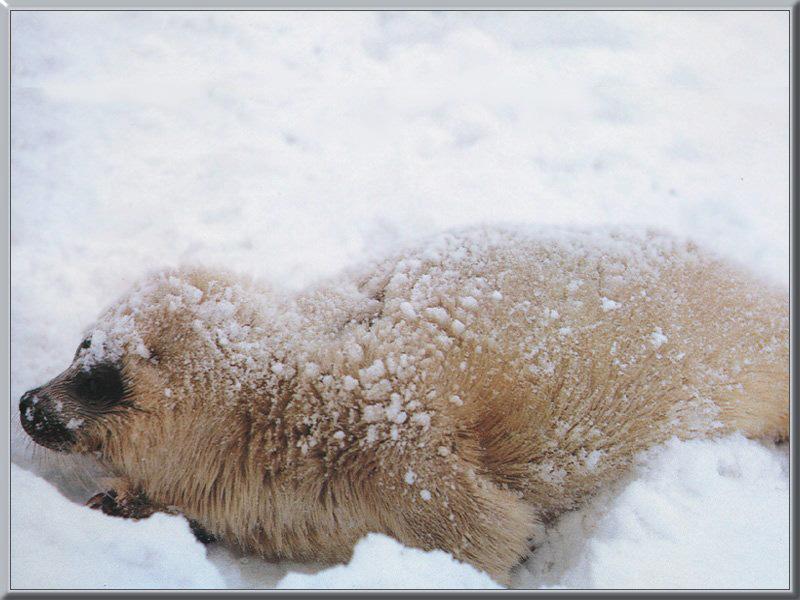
x: 381, y: 563
x: 697, y: 514
x: 58, y: 544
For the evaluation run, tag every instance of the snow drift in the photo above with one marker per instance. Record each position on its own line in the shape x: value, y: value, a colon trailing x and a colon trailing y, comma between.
x: 698, y: 514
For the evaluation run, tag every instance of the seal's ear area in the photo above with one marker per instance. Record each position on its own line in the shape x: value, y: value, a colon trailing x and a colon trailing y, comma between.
x: 83, y: 345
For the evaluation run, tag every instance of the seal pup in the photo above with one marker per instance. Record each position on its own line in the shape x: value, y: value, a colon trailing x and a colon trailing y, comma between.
x: 455, y: 395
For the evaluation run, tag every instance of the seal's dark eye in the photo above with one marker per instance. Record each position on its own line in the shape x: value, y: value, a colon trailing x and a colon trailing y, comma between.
x: 102, y: 384
x: 84, y: 344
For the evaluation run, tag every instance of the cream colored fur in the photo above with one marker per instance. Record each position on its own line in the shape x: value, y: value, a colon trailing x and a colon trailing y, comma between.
x: 529, y: 368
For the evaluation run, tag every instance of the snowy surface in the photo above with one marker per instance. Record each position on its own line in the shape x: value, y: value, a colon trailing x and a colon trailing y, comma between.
x: 694, y: 514
x: 56, y: 544
x: 379, y: 562
x: 290, y: 146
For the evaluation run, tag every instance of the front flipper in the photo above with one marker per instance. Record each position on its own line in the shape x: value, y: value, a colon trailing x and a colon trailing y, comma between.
x: 125, y: 505
x: 136, y: 506
x: 203, y: 536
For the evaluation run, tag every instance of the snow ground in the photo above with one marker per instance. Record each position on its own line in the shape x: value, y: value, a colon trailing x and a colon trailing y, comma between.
x: 59, y: 544
x: 289, y: 145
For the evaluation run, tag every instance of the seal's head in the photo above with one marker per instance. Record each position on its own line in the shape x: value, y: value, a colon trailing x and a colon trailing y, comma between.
x: 146, y: 362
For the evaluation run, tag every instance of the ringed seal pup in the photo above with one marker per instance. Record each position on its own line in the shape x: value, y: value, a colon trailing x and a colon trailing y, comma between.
x: 453, y: 396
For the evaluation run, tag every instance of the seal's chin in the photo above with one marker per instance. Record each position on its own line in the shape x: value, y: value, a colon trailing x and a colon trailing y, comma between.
x: 51, y: 435
x: 58, y: 445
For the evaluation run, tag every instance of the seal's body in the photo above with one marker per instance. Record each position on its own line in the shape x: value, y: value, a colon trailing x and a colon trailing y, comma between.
x: 453, y: 396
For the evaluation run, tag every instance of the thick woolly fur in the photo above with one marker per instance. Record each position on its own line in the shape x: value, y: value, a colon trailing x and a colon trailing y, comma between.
x: 454, y: 396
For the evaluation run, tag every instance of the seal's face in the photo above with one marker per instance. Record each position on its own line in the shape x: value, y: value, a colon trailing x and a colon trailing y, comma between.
x: 108, y: 386
x: 115, y: 381
x: 149, y: 359
x: 55, y: 414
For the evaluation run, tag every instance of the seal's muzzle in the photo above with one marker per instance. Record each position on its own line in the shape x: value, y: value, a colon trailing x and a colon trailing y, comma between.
x: 39, y: 422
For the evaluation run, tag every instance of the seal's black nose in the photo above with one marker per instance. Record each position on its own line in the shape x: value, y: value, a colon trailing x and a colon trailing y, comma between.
x: 27, y: 403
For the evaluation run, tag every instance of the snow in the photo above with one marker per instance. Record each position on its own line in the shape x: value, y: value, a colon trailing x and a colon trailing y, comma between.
x: 608, y: 304
x: 350, y: 383
x: 469, y: 302
x: 657, y: 338
x: 693, y: 515
x: 74, y: 423
x: 292, y: 145
x: 439, y: 315
x: 410, y: 477
x: 277, y: 368
x: 408, y: 310
x: 375, y: 371
x: 422, y: 418
x: 373, y: 413
x: 57, y: 544
x: 379, y: 562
